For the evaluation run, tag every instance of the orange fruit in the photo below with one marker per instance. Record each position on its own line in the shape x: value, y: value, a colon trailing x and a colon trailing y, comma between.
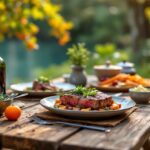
x: 12, y: 112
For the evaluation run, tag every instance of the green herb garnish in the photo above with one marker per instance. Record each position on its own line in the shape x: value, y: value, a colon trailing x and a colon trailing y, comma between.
x: 79, y: 90
x: 43, y: 79
x: 89, y: 92
x: 4, y: 97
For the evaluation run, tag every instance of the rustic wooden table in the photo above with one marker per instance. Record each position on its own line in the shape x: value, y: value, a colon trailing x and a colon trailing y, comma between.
x: 23, y: 134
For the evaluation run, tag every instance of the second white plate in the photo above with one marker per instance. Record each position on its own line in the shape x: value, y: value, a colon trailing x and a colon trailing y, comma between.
x: 21, y: 88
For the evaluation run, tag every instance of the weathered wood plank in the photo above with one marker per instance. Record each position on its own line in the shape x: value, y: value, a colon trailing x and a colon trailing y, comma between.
x: 131, y: 134
x: 23, y: 134
x: 26, y: 103
x: 6, y: 125
x: 32, y: 136
x: 28, y: 111
x: 146, y: 145
x: 143, y: 108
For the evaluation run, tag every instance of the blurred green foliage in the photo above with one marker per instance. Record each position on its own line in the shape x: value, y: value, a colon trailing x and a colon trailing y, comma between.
x: 96, y: 21
x: 109, y: 51
x: 103, y: 26
x: 78, y: 54
x: 102, y: 53
x: 53, y: 71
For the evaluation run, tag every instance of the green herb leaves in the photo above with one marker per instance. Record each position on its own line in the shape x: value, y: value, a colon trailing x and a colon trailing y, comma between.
x: 78, y: 54
x: 79, y: 90
x: 43, y: 79
x: 2, y: 97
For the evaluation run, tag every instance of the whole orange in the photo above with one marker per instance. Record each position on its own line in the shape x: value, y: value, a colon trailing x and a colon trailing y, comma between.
x: 12, y: 112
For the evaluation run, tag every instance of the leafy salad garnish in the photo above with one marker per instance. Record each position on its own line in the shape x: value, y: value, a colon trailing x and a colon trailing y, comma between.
x: 80, y: 90
x: 4, y: 97
x: 43, y: 79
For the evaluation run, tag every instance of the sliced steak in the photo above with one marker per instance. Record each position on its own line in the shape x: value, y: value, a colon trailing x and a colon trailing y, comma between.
x: 42, y: 86
x: 71, y: 100
x: 100, y: 100
x: 37, y: 86
x: 87, y: 102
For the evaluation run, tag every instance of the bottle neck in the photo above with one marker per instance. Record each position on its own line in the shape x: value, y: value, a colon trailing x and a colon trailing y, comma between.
x: 2, y: 76
x: 2, y: 63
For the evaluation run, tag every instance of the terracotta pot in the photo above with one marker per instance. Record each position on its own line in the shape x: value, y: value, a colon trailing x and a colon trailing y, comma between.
x: 78, y: 77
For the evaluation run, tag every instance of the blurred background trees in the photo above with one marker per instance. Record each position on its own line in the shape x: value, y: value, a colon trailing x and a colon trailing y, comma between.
x: 18, y: 19
x: 123, y: 26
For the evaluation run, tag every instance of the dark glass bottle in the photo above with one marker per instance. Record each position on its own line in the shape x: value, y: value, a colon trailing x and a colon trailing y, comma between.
x: 2, y: 76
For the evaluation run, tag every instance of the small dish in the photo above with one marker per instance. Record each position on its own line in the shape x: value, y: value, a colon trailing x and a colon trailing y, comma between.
x: 140, y: 94
x: 127, y: 67
x: 106, y: 71
x: 140, y: 97
x: 4, y: 104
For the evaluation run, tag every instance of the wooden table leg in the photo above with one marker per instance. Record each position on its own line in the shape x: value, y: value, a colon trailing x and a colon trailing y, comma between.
x: 146, y: 146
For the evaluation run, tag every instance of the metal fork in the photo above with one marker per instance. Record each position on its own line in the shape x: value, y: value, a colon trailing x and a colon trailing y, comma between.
x: 40, y: 121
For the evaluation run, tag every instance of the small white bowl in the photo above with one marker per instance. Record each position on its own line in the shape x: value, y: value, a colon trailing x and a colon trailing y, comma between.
x: 140, y: 97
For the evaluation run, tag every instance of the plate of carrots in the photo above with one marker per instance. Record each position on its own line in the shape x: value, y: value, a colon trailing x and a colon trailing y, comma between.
x: 121, y: 83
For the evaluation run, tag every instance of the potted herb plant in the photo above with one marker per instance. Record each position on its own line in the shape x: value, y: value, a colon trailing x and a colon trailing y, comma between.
x: 79, y: 56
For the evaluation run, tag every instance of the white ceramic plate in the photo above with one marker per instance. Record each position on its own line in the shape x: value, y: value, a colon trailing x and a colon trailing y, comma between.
x: 20, y: 88
x: 126, y: 104
x: 109, y: 89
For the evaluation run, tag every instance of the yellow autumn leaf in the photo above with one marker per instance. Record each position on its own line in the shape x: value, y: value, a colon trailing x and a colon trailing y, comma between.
x: 2, y: 6
x: 50, y: 9
x: 147, y: 12
x: 26, y: 12
x: 68, y: 25
x: 36, y: 13
x: 34, y: 28
x: 26, y: 1
x: 12, y: 24
x: 19, y: 20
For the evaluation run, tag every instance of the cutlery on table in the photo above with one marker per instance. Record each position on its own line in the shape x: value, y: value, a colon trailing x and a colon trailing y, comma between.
x: 40, y: 121
x: 15, y: 95
x: 116, y: 94
x: 21, y: 95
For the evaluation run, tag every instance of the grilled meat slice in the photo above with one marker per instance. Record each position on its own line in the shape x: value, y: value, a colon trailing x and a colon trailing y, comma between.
x: 42, y: 86
x: 69, y: 99
x: 100, y: 100
x: 88, y: 102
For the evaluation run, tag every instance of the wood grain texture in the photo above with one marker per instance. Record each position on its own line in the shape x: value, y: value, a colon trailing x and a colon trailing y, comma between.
x: 6, y: 125
x: 146, y: 145
x: 111, y: 122
x: 25, y: 135
x: 32, y: 136
x: 131, y: 134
